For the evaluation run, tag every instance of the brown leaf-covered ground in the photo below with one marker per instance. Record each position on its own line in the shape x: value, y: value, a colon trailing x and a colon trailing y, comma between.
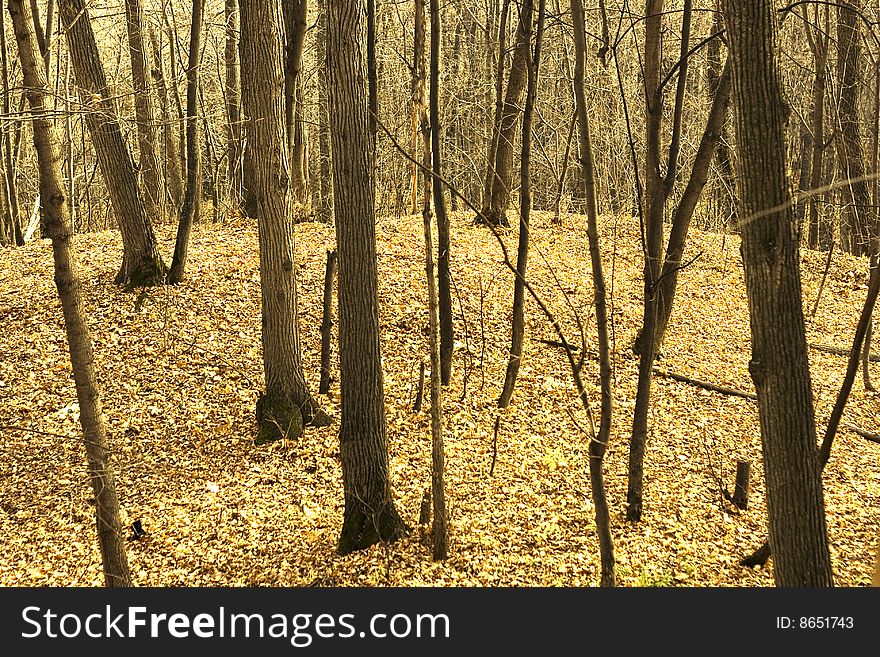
x: 180, y: 370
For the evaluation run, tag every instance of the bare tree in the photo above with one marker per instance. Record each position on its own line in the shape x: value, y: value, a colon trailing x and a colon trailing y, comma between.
x: 496, y: 196
x: 232, y: 88
x: 598, y: 440
x: 779, y: 366
x: 141, y: 262
x: 517, y: 330
x: 286, y: 406
x: 295, y: 25
x: 370, y: 515
x: 855, y: 222
x: 56, y: 212
x: 192, y: 199
x: 143, y: 103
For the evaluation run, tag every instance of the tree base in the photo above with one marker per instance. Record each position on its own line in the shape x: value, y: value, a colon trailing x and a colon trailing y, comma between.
x: 278, y: 417
x: 492, y: 217
x: 363, y: 527
x: 634, y: 511
x: 147, y: 273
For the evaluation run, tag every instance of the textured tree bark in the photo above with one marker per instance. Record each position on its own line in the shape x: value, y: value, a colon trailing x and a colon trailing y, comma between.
x: 856, y: 219
x: 55, y: 210
x: 495, y: 211
x: 370, y: 516
x: 599, y: 440
x: 192, y: 200
x: 232, y: 86
x: 779, y: 365
x: 287, y: 405
x: 143, y: 104
x: 141, y: 262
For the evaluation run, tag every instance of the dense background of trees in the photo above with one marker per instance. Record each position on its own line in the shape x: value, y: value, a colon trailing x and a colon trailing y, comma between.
x: 286, y: 112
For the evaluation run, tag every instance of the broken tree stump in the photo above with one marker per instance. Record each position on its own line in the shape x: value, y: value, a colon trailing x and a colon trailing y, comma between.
x: 327, y: 323
x: 741, y: 489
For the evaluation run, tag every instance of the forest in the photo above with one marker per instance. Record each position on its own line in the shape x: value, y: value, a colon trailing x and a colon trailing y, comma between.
x: 402, y: 293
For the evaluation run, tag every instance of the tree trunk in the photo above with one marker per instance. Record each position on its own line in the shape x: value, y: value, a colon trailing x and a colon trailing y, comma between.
x: 143, y: 104
x: 141, y: 262
x: 687, y: 205
x: 55, y: 210
x: 779, y: 365
x: 419, y: 104
x: 325, y: 175
x: 818, y: 41
x: 856, y: 214
x: 370, y: 516
x: 598, y: 441
x: 444, y: 289
x: 440, y: 532
x: 287, y: 405
x: 726, y: 194
x: 233, y: 105
x: 517, y: 328
x: 295, y: 12
x: 656, y: 193
x: 8, y: 159
x: 171, y: 154
x: 192, y: 200
x: 495, y: 211
x: 499, y: 101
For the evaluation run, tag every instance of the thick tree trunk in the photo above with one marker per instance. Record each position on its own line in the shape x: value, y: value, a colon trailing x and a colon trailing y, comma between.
x: 141, y: 262
x: 143, y: 103
x: 495, y: 211
x: 370, y: 516
x: 779, y: 365
x: 192, y: 200
x: 55, y: 211
x: 856, y: 215
x: 287, y: 405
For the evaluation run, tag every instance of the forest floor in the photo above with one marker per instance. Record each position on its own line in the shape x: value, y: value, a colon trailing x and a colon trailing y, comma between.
x: 180, y: 370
